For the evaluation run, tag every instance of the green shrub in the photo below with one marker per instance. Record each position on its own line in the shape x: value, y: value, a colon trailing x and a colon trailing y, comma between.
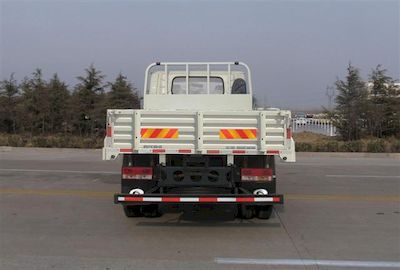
x: 332, y: 146
x: 15, y: 141
x: 325, y: 146
x: 376, y: 146
x: 73, y: 142
x: 351, y: 146
x: 394, y: 146
x: 304, y: 147
x: 3, y: 140
x: 61, y: 141
x: 319, y: 147
x: 39, y: 141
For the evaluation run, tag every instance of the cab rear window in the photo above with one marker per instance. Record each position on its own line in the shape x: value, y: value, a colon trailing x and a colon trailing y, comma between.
x: 197, y: 85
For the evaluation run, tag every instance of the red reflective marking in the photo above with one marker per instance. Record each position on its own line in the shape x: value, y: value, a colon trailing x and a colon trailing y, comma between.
x: 256, y: 172
x: 288, y: 133
x: 155, y: 132
x: 208, y: 199
x: 170, y: 199
x: 212, y: 151
x: 133, y: 199
x: 241, y: 133
x: 184, y: 151
x: 143, y: 131
x: 171, y: 133
x: 137, y: 170
x: 239, y: 151
x: 158, y: 150
x: 276, y: 199
x: 275, y: 152
x: 227, y: 134
x: 254, y: 131
x: 124, y: 150
x: 248, y: 199
x: 109, y: 131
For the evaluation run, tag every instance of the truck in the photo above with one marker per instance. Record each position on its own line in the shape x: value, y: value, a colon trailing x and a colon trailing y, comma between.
x: 198, y: 142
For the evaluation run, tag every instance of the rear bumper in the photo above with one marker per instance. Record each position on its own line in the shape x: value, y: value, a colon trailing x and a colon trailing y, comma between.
x: 248, y: 199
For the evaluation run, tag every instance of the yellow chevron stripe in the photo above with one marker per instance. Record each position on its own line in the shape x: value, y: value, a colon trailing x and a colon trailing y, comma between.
x: 162, y: 135
x: 148, y: 132
x: 234, y: 134
x: 176, y: 135
x: 163, y: 132
x: 249, y: 134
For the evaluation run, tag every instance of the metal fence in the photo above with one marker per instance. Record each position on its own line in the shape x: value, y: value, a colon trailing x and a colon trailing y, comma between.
x: 320, y: 126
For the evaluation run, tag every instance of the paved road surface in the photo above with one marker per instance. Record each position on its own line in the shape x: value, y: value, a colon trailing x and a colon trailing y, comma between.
x: 341, y: 212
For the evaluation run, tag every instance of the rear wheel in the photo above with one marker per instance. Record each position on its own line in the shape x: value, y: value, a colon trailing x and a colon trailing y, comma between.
x: 132, y: 211
x: 246, y: 212
x: 264, y: 212
x: 151, y: 211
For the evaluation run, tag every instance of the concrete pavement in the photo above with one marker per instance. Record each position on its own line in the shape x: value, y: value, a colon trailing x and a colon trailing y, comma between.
x: 57, y: 212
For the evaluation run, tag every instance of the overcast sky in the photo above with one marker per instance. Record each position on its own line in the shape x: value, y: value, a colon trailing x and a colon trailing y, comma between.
x: 294, y: 48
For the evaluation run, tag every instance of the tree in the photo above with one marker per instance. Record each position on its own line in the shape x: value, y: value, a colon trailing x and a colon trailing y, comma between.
x: 9, y: 91
x: 377, y: 100
x: 34, y: 108
x: 89, y: 103
x: 330, y: 93
x: 384, y: 102
x: 122, y: 94
x: 41, y: 102
x: 349, y: 114
x: 392, y: 111
x: 25, y: 113
x: 58, y: 98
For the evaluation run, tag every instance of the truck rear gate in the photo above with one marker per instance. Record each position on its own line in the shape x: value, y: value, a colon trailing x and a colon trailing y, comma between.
x: 199, y: 132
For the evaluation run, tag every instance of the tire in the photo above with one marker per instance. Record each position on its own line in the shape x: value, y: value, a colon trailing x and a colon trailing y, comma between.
x: 132, y: 211
x: 246, y: 212
x: 264, y: 212
x: 151, y: 211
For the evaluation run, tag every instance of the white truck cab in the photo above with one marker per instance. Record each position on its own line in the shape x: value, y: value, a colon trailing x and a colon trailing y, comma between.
x: 198, y: 86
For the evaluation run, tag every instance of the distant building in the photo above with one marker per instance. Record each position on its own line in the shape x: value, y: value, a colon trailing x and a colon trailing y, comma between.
x: 370, y: 86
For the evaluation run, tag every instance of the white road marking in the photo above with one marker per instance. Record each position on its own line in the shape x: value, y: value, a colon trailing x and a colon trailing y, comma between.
x: 59, y: 171
x: 361, y: 176
x: 294, y: 262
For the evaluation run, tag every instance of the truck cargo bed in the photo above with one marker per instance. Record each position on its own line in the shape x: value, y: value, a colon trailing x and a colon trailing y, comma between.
x: 265, y: 132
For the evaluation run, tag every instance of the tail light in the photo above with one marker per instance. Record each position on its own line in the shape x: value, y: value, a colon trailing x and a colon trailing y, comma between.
x: 137, y: 173
x: 108, y: 131
x: 288, y: 133
x: 256, y: 174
